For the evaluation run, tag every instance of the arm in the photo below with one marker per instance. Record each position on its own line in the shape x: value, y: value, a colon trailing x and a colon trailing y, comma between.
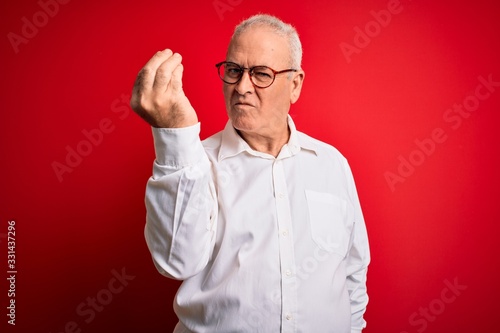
x: 357, y: 261
x: 180, y: 200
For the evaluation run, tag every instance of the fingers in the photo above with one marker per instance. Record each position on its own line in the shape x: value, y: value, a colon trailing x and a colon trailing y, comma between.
x: 176, y: 83
x: 157, y: 72
x: 154, y: 78
x: 157, y: 94
x: 146, y: 77
x: 165, y: 71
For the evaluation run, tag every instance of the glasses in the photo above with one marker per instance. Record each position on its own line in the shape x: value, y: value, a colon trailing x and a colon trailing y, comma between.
x: 260, y: 76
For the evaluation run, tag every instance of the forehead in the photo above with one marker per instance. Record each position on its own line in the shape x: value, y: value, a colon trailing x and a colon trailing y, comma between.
x: 259, y: 45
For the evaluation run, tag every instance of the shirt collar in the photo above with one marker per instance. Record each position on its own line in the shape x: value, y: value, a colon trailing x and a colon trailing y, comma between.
x: 232, y: 144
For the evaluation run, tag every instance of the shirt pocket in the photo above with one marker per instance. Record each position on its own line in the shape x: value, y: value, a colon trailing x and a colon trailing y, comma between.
x: 331, y: 220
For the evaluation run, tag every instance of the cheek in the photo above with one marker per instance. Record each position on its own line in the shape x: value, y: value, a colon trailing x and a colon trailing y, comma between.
x: 279, y: 97
x: 227, y: 92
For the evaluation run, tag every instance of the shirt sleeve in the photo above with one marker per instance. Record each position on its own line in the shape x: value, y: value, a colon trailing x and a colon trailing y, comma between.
x: 357, y: 260
x: 181, y: 203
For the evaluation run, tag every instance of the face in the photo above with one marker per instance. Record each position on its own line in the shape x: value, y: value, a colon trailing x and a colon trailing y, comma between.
x: 261, y: 111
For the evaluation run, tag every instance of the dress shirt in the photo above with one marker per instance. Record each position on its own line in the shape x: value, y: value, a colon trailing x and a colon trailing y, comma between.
x: 262, y: 243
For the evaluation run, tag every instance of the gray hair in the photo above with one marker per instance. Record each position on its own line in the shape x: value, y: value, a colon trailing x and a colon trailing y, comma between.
x: 279, y: 27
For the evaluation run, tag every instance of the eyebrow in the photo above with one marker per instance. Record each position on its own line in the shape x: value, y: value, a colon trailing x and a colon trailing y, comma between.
x: 234, y: 62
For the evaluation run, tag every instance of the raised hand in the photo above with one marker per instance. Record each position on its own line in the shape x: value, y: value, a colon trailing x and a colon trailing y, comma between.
x: 158, y: 96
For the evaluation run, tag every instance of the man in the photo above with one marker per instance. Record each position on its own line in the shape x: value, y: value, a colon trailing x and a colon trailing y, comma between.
x: 261, y: 222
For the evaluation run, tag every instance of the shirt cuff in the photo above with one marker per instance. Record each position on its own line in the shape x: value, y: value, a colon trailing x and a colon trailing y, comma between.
x: 178, y: 147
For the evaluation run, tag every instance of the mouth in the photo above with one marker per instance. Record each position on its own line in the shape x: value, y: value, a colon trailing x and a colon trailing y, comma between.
x: 244, y: 104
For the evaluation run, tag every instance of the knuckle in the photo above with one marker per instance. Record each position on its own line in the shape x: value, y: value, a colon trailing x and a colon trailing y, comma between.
x: 160, y: 73
x: 137, y: 105
x: 144, y: 72
x: 140, y: 79
x: 145, y: 103
x: 163, y: 73
x: 158, y: 104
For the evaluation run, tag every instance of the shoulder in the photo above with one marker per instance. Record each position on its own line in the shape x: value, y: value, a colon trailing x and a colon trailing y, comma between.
x: 322, y: 149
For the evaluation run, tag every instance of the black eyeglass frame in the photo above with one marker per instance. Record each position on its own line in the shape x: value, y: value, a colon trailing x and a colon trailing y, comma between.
x: 250, y: 72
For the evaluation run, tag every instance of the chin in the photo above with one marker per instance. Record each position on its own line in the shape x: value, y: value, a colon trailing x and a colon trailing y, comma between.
x: 241, y: 122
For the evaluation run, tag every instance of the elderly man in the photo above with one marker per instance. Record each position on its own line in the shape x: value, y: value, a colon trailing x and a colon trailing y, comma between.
x: 261, y: 222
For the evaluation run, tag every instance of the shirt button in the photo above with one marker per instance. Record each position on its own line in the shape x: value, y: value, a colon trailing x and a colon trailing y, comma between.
x: 288, y: 317
x: 281, y: 195
x: 285, y: 233
x: 288, y: 272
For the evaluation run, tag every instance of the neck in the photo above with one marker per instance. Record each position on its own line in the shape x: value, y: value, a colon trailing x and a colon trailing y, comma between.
x: 269, y: 144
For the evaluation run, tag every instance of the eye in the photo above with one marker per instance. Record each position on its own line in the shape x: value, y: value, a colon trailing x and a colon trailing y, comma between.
x: 262, y: 73
x: 232, y: 70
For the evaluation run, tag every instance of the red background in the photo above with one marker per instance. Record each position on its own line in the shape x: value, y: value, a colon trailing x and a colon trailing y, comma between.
x: 440, y: 224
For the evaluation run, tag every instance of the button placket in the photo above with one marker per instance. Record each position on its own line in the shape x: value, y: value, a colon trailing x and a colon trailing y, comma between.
x: 286, y: 247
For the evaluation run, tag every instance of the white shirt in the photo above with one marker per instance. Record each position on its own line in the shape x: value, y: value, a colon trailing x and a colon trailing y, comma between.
x: 262, y: 244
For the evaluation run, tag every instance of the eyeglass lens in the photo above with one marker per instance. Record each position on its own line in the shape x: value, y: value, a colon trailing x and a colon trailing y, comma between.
x: 260, y: 75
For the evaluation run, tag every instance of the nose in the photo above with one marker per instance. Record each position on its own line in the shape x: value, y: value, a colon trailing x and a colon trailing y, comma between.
x: 245, y: 84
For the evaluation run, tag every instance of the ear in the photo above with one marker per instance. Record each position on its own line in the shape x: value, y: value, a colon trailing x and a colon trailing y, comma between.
x: 296, y: 85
